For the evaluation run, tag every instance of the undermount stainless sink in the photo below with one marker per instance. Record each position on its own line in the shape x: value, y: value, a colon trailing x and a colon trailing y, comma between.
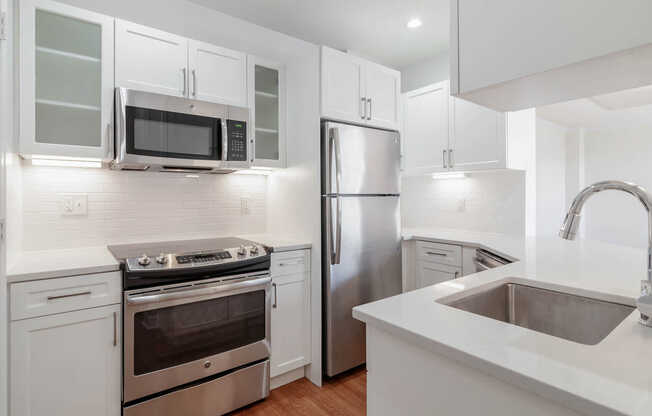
x: 575, y: 318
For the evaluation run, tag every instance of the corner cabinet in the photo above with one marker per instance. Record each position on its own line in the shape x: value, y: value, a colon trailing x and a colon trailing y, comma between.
x: 267, y: 102
x: 66, y: 81
x: 444, y: 133
x: 174, y: 65
x: 359, y: 91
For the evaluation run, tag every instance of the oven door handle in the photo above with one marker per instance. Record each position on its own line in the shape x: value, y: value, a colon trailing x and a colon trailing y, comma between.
x: 192, y: 292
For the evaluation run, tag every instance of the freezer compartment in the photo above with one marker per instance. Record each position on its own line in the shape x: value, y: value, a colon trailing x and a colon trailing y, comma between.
x: 361, y: 263
x: 359, y: 160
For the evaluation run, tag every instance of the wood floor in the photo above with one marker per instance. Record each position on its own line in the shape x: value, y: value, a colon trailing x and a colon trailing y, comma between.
x: 344, y: 395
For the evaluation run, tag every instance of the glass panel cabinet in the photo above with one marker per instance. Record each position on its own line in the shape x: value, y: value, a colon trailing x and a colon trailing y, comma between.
x: 267, y: 101
x: 66, y: 91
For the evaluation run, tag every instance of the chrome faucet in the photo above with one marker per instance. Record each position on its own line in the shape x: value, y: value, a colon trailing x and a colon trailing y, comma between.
x: 568, y: 231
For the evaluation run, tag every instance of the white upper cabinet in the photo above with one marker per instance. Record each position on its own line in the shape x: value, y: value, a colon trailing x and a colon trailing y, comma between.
x: 383, y: 91
x: 478, y: 138
x: 150, y: 60
x: 358, y: 91
x: 217, y: 74
x: 66, y: 81
x: 155, y: 61
x: 342, y: 93
x: 426, y: 128
x: 511, y: 55
x: 267, y: 102
x: 443, y: 133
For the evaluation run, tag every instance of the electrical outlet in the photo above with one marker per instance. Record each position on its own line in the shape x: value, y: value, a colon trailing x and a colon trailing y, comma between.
x: 461, y: 205
x: 74, y: 204
x: 244, y: 206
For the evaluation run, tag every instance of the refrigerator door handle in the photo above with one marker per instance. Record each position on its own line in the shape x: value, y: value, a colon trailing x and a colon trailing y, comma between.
x: 338, y: 224
x: 335, y: 145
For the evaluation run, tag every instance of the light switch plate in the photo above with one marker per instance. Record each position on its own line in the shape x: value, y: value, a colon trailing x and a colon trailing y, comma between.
x: 74, y: 204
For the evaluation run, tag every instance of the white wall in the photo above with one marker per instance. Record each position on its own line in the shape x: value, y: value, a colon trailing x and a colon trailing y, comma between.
x: 551, y: 176
x: 294, y: 194
x: 521, y: 154
x: 487, y: 201
x: 620, y: 154
x: 429, y: 71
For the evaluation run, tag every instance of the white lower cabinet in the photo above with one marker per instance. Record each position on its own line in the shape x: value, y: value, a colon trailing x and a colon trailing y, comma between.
x: 290, y: 324
x: 429, y: 274
x: 67, y: 364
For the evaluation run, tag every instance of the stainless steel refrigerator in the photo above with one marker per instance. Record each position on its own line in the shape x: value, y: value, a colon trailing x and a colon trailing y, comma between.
x: 361, y: 237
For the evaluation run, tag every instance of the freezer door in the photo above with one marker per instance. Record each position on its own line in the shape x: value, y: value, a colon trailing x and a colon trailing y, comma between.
x: 359, y: 160
x: 361, y: 263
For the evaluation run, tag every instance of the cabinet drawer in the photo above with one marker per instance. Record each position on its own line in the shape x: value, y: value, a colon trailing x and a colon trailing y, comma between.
x: 439, y: 253
x: 290, y: 262
x: 47, y: 297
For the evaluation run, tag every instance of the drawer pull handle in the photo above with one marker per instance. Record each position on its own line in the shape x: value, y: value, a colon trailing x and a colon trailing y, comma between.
x: 291, y: 263
x: 432, y: 253
x: 68, y: 296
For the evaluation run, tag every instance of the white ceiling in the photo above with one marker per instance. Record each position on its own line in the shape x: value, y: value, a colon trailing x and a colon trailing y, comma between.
x: 619, y: 110
x: 371, y: 28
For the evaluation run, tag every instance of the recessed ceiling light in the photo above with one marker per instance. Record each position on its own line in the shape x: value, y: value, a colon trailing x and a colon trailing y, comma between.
x: 414, y: 23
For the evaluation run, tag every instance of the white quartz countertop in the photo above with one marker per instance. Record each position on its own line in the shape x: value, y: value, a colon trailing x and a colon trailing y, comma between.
x: 612, y: 377
x: 46, y: 264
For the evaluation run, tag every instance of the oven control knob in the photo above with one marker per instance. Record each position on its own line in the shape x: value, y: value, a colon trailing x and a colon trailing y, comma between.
x: 242, y: 250
x: 162, y: 259
x: 254, y: 250
x: 143, y: 260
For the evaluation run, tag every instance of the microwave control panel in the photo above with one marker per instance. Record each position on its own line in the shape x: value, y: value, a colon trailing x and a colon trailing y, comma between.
x: 237, y: 140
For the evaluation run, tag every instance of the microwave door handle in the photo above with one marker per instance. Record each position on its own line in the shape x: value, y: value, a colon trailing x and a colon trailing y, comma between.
x: 225, y: 141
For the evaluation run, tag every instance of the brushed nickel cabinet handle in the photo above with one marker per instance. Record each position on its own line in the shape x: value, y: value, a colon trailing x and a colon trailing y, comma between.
x: 369, y: 102
x: 115, y: 329
x: 183, y: 88
x: 432, y: 253
x: 194, y: 83
x: 275, y: 304
x: 443, y: 158
x: 69, y: 295
x: 363, y: 108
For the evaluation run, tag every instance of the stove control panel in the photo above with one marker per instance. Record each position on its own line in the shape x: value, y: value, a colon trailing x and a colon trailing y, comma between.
x: 163, y: 261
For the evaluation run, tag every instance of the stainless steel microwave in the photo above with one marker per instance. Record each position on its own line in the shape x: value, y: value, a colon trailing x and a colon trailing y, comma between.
x: 174, y: 134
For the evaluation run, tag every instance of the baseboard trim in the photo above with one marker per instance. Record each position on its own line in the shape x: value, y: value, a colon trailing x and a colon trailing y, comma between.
x: 289, y: 377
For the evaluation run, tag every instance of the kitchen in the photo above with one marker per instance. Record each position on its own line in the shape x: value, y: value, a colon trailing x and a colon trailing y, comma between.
x: 189, y: 219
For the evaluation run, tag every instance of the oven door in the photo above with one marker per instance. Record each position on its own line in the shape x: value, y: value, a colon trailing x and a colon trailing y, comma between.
x: 180, y: 333
x: 154, y: 129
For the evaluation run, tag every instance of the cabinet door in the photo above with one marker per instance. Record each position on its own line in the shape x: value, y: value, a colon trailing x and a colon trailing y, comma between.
x: 66, y: 80
x: 290, y: 337
x: 426, y: 129
x: 67, y: 364
x: 267, y: 100
x: 217, y: 74
x: 150, y: 60
x: 342, y: 94
x: 478, y: 137
x: 429, y: 274
x: 383, y: 89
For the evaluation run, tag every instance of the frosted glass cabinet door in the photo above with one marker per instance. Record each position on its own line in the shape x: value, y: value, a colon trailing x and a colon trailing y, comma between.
x: 267, y: 98
x: 66, y: 64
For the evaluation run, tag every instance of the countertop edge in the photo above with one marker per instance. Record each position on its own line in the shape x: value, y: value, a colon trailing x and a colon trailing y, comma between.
x: 54, y: 274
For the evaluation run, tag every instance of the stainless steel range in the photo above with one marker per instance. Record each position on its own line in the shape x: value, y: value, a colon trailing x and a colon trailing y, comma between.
x: 196, y: 323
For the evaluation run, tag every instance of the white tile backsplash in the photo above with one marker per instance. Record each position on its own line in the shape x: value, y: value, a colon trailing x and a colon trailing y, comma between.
x: 487, y: 201
x: 128, y: 207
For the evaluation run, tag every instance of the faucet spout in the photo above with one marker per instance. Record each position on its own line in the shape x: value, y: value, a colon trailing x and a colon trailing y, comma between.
x: 568, y: 231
